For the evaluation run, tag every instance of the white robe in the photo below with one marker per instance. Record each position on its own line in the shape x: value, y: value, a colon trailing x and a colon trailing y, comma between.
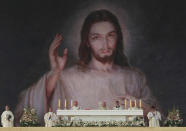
x: 87, y: 87
x: 75, y: 108
x: 5, y: 121
x: 154, y: 118
x: 50, y: 119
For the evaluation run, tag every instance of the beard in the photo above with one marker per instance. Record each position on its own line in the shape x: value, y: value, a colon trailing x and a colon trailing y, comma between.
x: 104, y: 59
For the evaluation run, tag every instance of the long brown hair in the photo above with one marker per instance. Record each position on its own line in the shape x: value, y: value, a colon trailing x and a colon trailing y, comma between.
x: 85, y: 51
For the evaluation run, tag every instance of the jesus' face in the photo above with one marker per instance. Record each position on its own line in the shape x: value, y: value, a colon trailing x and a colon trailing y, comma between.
x: 102, y: 41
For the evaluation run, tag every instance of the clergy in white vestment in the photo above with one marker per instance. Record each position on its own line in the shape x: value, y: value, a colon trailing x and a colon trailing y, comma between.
x: 157, y: 118
x: 102, y: 105
x: 7, y: 118
x: 118, y: 106
x: 75, y: 106
x: 154, y: 117
x: 50, y: 118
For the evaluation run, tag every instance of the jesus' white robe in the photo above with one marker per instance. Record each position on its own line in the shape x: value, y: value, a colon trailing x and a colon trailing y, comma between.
x: 88, y: 87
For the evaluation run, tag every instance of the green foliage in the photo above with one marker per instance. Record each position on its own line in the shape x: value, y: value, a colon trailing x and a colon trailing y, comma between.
x: 138, y: 122
x: 29, y: 118
x: 173, y: 119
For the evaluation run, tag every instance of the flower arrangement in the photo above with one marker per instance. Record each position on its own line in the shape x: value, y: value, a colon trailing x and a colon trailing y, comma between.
x: 29, y: 118
x: 173, y: 119
x: 138, y: 122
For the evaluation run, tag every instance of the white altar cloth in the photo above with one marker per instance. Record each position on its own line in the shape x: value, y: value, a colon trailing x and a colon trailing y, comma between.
x: 100, y: 115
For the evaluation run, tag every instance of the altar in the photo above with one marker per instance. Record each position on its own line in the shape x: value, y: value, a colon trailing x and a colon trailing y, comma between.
x: 101, y: 115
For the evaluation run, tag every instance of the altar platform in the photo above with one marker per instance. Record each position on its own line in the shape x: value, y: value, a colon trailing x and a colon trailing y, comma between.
x: 93, y: 129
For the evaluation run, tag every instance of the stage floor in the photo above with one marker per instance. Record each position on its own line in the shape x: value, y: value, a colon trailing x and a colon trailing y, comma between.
x: 93, y: 129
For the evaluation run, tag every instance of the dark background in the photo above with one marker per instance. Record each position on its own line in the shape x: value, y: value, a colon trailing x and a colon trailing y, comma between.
x: 157, y: 31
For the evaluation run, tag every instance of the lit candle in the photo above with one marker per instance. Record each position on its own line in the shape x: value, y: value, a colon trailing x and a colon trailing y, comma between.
x: 65, y: 103
x: 135, y: 103
x: 125, y: 104
x: 140, y: 104
x: 130, y: 104
x: 59, y: 103
x: 71, y: 103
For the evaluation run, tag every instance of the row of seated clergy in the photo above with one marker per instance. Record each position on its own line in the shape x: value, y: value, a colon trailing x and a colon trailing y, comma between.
x: 7, y: 118
x: 103, y: 106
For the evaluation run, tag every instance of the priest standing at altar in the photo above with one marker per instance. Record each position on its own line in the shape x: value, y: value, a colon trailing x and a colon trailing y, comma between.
x: 50, y: 118
x: 154, y: 117
x: 102, y: 72
x: 7, y: 118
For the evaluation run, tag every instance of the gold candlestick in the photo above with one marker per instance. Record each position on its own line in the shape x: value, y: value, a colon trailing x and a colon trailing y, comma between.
x: 125, y: 104
x: 140, y: 103
x: 130, y: 104
x: 71, y: 103
x: 59, y: 104
x: 135, y: 103
x: 65, y: 104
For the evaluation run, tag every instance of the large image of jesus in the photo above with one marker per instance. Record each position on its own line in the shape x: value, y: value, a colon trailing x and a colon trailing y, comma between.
x: 102, y: 72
